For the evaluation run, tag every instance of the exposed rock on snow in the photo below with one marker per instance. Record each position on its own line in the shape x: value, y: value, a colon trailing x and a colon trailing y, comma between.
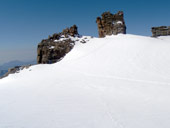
x: 160, y: 31
x: 15, y: 69
x: 56, y: 46
x: 111, y: 24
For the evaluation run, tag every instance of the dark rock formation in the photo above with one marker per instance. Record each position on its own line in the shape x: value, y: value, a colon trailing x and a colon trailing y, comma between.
x: 54, y: 48
x: 160, y: 31
x: 110, y: 24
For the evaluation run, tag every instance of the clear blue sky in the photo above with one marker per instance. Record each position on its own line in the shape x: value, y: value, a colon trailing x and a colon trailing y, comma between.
x: 24, y: 23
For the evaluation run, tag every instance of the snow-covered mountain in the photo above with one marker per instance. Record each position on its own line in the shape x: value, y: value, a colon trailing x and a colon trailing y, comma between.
x: 118, y: 81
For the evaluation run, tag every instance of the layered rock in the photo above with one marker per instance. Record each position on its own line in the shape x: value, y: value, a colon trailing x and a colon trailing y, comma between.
x: 110, y: 24
x: 160, y: 31
x: 54, y: 48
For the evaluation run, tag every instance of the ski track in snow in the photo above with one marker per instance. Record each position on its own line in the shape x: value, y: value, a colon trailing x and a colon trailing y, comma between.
x: 121, y: 78
x: 115, y: 122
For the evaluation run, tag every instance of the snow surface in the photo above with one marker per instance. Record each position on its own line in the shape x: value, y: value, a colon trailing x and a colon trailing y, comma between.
x: 52, y: 47
x: 119, y: 81
x: 119, y: 22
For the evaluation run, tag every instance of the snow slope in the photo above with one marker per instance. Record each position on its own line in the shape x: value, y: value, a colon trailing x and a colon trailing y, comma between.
x: 119, y: 81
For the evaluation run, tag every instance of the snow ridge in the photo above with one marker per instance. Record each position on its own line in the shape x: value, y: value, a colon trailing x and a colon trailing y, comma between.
x: 120, y: 81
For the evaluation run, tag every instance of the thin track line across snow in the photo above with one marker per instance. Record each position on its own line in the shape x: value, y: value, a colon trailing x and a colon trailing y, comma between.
x: 121, y: 78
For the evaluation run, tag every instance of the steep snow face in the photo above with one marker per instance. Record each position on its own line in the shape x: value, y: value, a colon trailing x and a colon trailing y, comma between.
x: 119, y: 81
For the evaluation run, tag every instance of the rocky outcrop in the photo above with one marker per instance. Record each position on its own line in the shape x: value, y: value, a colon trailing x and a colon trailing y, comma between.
x: 110, y: 24
x: 16, y: 69
x: 54, y: 48
x: 160, y: 31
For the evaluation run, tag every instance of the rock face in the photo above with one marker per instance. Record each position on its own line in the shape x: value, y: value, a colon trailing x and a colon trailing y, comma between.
x: 110, y: 24
x: 160, y: 31
x: 54, y: 48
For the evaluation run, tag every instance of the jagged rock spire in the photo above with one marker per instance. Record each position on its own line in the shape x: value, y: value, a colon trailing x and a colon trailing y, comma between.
x: 110, y: 24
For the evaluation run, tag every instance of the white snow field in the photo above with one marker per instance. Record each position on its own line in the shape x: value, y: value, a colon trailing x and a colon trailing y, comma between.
x: 119, y: 81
